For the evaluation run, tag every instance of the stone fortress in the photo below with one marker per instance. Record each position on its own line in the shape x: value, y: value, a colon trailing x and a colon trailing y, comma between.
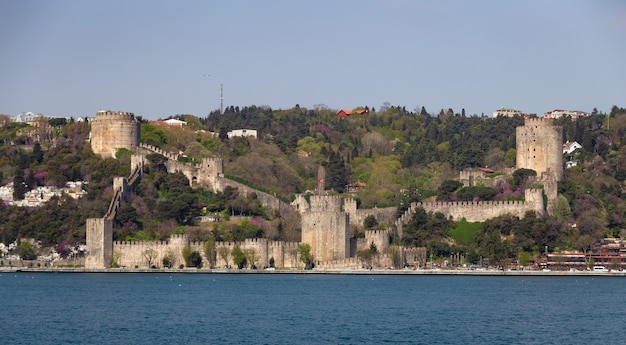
x: 326, y: 221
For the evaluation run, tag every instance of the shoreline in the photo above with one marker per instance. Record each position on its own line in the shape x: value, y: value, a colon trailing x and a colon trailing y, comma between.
x: 321, y: 272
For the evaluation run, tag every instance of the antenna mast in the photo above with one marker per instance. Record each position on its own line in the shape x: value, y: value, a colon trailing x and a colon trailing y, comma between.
x: 221, y: 98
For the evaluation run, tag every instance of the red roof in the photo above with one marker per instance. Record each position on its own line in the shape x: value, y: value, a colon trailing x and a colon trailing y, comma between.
x: 344, y: 113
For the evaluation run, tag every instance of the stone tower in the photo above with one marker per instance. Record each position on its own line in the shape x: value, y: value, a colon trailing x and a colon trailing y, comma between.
x: 208, y: 172
x: 325, y: 227
x: 112, y: 130
x: 99, y: 243
x: 540, y: 148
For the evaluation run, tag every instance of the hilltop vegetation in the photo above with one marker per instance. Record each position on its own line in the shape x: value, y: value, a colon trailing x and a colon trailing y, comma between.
x: 401, y: 156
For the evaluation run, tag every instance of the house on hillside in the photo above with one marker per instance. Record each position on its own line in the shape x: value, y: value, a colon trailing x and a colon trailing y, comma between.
x: 558, y: 113
x: 571, y: 146
x: 508, y: 112
x: 243, y: 133
x: 345, y: 112
x: 175, y: 123
x: 355, y: 187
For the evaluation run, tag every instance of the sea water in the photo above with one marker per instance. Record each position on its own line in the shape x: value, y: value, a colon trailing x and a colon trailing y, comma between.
x: 159, y: 308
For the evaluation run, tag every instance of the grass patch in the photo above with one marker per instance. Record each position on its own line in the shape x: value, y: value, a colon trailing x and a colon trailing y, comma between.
x: 465, y: 232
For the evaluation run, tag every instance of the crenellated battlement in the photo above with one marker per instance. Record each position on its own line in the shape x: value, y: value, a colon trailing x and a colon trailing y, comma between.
x: 376, y: 233
x: 106, y: 114
x: 326, y: 203
x: 539, y: 121
x: 166, y: 154
x: 467, y: 204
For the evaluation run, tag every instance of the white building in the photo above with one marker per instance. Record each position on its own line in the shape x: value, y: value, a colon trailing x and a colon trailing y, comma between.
x: 557, y: 113
x: 507, y: 112
x: 243, y: 133
x: 571, y: 146
x: 175, y: 122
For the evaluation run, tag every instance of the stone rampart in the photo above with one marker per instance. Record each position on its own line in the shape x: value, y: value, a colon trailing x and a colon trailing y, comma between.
x: 205, y: 173
x: 347, y: 264
x: 414, y: 256
x: 285, y: 210
x: 378, y: 261
x: 478, y: 211
x: 285, y: 254
x: 154, y: 149
x: 140, y: 254
x: 385, y: 215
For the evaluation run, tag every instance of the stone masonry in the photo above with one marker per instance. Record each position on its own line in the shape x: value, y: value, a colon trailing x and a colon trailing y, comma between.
x: 112, y: 130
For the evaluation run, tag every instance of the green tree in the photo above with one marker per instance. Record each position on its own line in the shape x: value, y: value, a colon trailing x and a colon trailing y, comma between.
x: 187, y: 255
x: 476, y: 192
x: 304, y: 250
x: 395, y: 253
x: 520, y: 176
x: 224, y: 253
x: 239, y: 257
x: 37, y: 153
x: 370, y: 222
x: 19, y: 185
x: 152, y: 135
x: 26, y: 251
x: 150, y: 256
x: 195, y: 259
x: 167, y: 259
x: 209, y: 250
x: 446, y: 189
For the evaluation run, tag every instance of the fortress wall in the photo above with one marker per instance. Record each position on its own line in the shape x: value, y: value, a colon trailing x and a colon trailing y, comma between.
x: 135, y: 253
x: 478, y: 211
x: 285, y: 254
x: 357, y: 216
x: 355, y: 263
x: 380, y: 238
x: 385, y: 215
x: 285, y: 210
x: 414, y: 256
x: 348, y: 264
x: 148, y: 149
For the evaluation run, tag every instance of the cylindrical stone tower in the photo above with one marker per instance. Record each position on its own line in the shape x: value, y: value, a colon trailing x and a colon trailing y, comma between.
x: 540, y: 147
x: 112, y: 130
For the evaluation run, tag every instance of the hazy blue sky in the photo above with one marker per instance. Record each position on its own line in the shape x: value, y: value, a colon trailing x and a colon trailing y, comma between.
x: 73, y: 58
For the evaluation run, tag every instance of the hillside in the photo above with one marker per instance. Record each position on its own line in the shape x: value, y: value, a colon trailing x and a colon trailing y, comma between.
x: 399, y: 156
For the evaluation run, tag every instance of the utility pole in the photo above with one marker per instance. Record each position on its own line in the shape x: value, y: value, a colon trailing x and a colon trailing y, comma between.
x: 221, y: 98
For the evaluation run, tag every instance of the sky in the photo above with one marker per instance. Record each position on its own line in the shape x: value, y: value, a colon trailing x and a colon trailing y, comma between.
x: 162, y: 58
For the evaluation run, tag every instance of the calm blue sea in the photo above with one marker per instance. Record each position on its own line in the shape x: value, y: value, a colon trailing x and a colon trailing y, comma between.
x: 73, y: 308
